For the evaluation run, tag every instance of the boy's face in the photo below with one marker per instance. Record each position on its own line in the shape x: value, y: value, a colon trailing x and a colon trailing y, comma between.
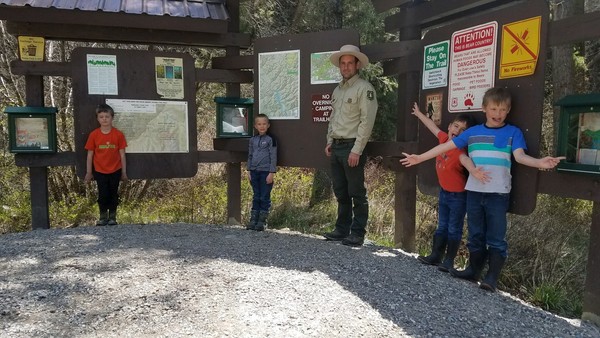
x: 261, y: 124
x: 495, y: 114
x: 455, y: 128
x: 105, y: 119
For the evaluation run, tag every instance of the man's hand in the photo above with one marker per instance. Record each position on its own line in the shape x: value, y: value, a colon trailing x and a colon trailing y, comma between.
x: 353, y: 159
x: 328, y: 150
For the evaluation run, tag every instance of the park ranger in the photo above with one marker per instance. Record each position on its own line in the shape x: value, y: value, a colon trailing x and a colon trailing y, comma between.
x: 354, y: 109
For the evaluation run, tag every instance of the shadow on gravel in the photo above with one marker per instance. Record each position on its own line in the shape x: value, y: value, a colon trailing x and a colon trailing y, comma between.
x: 419, y: 299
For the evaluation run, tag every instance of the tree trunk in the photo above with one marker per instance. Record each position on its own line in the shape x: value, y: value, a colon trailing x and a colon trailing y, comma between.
x: 592, y: 52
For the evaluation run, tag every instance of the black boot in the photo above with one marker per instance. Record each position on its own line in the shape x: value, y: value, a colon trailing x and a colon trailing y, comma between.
x: 473, y: 271
x: 112, y: 217
x: 496, y: 262
x: 103, y: 219
x: 261, y: 224
x: 253, y: 220
x: 451, y: 251
x: 437, y: 251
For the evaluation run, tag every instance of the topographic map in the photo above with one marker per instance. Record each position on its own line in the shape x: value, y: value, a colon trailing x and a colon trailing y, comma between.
x: 152, y: 126
x: 279, y: 84
x: 321, y: 69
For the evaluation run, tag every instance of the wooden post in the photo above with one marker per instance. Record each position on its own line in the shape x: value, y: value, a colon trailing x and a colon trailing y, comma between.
x: 406, y: 181
x: 234, y: 173
x: 38, y: 176
x: 591, y: 295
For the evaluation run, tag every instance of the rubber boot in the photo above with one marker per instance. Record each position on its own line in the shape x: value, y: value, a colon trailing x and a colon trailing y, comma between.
x: 451, y: 251
x: 496, y: 262
x: 262, y: 221
x: 103, y: 219
x: 473, y: 272
x: 253, y: 220
x: 437, y: 251
x: 112, y: 217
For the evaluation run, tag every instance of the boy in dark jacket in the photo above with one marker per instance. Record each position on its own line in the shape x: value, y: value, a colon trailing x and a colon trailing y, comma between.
x: 262, y: 165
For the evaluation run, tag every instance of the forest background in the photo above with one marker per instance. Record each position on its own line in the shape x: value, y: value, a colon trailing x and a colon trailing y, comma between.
x: 548, y: 249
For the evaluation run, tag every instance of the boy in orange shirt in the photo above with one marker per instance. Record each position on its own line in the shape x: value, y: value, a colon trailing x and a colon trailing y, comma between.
x: 106, y: 163
x: 451, y: 168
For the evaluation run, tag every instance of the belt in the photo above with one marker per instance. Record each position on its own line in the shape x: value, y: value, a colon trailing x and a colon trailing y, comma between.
x: 343, y: 140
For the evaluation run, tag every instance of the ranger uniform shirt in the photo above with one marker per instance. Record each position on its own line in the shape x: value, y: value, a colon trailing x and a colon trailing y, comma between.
x: 354, y: 110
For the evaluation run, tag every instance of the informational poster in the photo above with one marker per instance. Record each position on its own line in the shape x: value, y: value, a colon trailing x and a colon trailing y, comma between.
x: 169, y: 77
x: 152, y: 126
x: 102, y: 74
x: 279, y: 84
x: 321, y: 107
x: 472, y: 66
x: 520, y: 47
x: 433, y: 108
x: 588, y: 140
x: 322, y: 70
x: 32, y: 133
x: 435, y: 65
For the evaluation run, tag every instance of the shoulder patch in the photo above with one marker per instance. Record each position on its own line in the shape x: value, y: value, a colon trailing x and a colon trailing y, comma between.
x: 370, y: 95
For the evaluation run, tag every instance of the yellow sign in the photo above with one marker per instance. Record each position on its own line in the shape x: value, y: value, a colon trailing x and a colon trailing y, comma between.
x: 31, y: 48
x: 520, y: 47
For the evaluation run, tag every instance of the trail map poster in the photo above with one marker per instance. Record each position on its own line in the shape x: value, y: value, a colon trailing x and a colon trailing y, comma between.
x: 152, y: 126
x: 279, y: 84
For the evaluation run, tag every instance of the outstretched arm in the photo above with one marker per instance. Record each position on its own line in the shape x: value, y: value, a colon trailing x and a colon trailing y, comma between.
x: 426, y: 121
x: 414, y: 159
x: 478, y: 172
x: 547, y: 162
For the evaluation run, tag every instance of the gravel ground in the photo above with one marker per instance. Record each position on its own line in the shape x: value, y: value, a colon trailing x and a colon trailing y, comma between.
x: 221, y: 281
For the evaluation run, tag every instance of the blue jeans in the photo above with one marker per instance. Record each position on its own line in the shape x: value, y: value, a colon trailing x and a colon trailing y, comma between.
x: 349, y: 189
x: 486, y: 220
x: 261, y: 199
x: 451, y: 214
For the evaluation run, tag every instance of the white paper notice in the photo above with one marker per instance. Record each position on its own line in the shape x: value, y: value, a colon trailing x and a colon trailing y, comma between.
x: 472, y: 66
x: 102, y: 74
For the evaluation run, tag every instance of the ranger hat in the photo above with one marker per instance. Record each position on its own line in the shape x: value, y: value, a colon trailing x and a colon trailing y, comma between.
x: 349, y: 50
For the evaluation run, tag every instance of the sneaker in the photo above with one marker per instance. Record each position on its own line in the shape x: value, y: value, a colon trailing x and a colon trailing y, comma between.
x: 335, y: 235
x: 111, y: 222
x: 353, y: 240
x: 101, y: 222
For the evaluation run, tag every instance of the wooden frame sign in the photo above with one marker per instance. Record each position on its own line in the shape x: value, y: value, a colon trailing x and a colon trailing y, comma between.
x: 32, y: 129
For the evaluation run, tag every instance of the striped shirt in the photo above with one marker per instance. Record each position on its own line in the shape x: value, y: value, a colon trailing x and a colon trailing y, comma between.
x: 491, y: 148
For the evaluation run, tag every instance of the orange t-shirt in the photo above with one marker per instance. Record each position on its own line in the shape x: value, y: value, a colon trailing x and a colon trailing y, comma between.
x: 106, y: 147
x: 450, y: 172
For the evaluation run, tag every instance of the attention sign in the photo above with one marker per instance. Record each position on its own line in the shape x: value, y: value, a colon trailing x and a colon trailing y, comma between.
x: 520, y: 47
x: 472, y: 66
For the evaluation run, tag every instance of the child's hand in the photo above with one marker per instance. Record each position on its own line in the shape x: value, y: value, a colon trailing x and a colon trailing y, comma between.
x: 416, y: 111
x: 249, y: 177
x: 410, y: 160
x: 124, y: 177
x: 550, y: 162
x: 481, y: 175
x: 270, y: 178
x: 88, y: 178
